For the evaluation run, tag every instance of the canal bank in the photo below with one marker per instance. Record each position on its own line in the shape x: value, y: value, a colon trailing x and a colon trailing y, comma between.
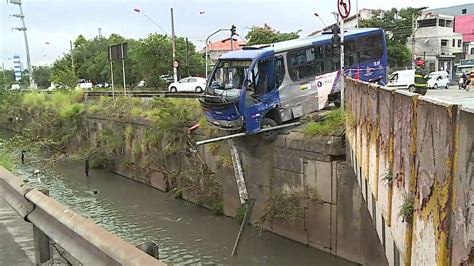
x: 302, y: 187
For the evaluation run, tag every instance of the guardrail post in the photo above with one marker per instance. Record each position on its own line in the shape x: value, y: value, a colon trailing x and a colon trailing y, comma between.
x: 41, y: 241
x: 151, y: 248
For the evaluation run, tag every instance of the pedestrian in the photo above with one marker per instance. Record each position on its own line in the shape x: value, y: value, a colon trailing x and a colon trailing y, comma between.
x: 421, y: 77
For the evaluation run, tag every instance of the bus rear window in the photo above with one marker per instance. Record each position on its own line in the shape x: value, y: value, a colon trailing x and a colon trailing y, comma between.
x: 368, y: 49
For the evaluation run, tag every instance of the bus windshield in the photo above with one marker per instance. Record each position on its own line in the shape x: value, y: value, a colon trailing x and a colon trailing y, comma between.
x: 228, y: 77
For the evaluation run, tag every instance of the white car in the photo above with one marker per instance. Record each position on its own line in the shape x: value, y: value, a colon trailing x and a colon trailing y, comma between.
x: 188, y: 84
x: 438, y: 79
x: 403, y: 79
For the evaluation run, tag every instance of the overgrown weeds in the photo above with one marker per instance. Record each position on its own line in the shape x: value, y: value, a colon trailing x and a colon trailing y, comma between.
x: 332, y: 122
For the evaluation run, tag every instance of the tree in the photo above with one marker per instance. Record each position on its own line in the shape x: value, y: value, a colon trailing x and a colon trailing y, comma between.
x: 7, y: 78
x: 266, y: 35
x: 62, y: 74
x: 153, y: 57
x: 42, y: 75
x: 398, y: 28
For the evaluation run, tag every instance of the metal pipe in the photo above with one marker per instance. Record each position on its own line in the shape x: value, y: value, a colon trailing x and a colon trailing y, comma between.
x: 245, y: 134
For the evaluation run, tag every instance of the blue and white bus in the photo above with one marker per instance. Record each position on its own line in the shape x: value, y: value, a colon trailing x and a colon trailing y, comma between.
x: 264, y: 86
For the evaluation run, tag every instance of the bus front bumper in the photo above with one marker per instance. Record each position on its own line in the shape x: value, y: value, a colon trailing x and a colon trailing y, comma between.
x: 226, y: 124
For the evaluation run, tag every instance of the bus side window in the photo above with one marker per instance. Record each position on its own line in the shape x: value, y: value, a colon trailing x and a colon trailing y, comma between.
x: 279, y: 71
x: 350, y: 55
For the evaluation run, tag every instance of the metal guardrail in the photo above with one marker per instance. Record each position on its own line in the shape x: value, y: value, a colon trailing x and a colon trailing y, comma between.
x: 87, y: 242
x: 144, y: 94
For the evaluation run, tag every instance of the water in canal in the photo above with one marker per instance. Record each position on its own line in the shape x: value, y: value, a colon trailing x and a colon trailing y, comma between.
x: 186, y: 233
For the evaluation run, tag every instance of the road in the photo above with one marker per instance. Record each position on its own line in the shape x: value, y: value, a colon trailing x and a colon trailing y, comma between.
x: 453, y: 95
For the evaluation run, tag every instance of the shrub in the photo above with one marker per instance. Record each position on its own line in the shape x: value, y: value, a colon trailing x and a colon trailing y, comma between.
x: 72, y: 111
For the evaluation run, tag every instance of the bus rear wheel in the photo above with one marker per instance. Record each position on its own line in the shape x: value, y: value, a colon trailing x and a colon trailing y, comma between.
x: 268, y: 123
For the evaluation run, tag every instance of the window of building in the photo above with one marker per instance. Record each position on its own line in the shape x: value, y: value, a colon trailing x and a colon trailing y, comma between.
x: 472, y: 51
x: 442, y: 22
x: 427, y: 23
x: 444, y: 42
x: 464, y: 11
x: 459, y: 43
x: 449, y: 24
x: 454, y: 42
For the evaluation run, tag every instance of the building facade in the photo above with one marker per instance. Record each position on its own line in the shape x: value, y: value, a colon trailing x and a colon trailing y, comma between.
x: 463, y: 24
x: 217, y: 49
x: 435, y: 40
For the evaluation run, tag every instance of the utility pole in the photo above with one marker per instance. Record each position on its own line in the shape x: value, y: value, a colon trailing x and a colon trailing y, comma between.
x: 342, y: 64
x: 357, y: 13
x: 232, y: 33
x: 187, y: 55
x: 23, y: 28
x: 413, y: 40
x: 173, y: 40
x: 4, y: 76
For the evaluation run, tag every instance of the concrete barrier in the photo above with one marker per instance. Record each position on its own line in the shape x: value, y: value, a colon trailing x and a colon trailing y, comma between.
x: 462, y: 224
x: 414, y: 159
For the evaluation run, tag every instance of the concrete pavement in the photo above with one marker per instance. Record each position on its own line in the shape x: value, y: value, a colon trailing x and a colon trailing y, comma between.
x: 16, y: 238
x: 453, y: 95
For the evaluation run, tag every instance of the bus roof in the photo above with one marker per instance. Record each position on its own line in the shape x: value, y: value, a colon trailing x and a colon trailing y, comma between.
x: 253, y: 52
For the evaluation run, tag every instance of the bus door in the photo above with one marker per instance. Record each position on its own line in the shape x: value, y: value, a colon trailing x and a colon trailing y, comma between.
x: 259, y: 95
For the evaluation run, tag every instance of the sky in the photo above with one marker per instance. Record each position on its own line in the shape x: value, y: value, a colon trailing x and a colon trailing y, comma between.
x: 53, y: 23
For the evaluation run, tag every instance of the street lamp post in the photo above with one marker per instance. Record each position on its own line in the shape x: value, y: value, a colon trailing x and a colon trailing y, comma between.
x: 207, y: 49
x: 23, y: 28
x: 321, y: 19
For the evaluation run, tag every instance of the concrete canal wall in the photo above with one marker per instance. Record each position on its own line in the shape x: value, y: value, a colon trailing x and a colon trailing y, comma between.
x: 413, y: 159
x: 303, y: 188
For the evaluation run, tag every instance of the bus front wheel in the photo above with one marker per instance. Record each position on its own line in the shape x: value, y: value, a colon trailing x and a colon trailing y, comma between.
x: 268, y: 123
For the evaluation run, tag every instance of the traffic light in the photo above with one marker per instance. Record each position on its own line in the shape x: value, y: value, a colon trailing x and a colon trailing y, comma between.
x: 336, y: 38
x: 232, y: 30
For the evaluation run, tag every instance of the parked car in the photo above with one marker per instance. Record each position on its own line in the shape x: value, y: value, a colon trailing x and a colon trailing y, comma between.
x: 15, y: 87
x: 188, y: 84
x: 141, y: 84
x: 84, y: 84
x: 438, y: 79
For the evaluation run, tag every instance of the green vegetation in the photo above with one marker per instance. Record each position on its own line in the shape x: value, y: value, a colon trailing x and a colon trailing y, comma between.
x: 407, y: 209
x: 266, y: 35
x: 148, y: 58
x: 282, y: 206
x: 329, y: 124
x: 54, y: 123
x: 240, y: 212
x: 388, y: 179
x: 6, y: 160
